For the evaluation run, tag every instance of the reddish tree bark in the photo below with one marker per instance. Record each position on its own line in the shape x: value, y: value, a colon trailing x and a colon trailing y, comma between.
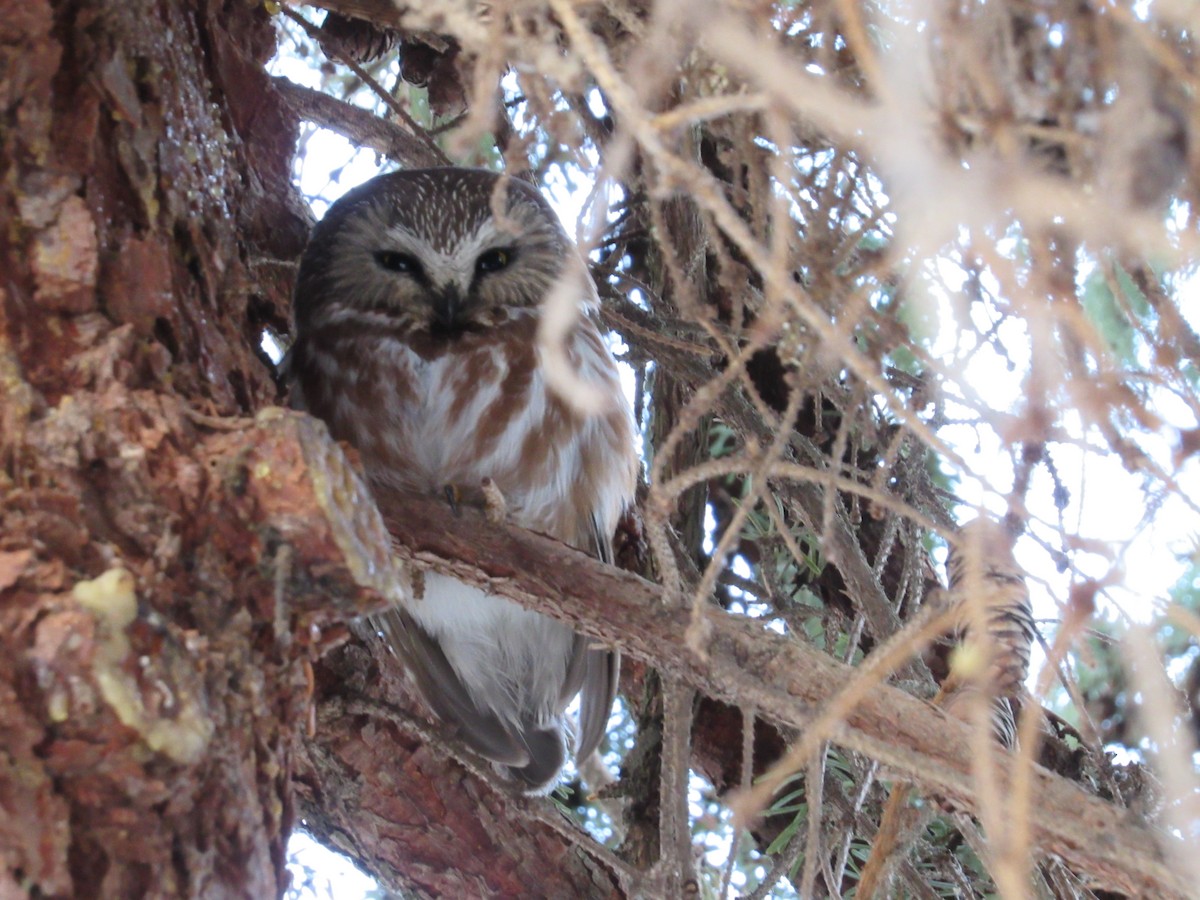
x: 147, y: 713
x: 163, y: 584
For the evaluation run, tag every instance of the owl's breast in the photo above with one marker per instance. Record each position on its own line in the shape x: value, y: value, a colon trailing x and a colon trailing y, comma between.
x: 424, y: 415
x: 406, y: 413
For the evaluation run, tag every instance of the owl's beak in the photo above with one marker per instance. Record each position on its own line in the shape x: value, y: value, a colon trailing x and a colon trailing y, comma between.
x: 448, y: 306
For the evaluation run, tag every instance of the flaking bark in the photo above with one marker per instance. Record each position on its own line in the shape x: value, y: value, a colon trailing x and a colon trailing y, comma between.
x: 170, y: 568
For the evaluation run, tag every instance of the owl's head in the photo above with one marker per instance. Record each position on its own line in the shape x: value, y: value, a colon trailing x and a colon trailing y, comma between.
x: 440, y: 251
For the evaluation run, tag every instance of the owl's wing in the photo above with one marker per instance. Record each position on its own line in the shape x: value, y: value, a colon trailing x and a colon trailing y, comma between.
x: 442, y: 689
x: 602, y: 669
x: 594, y: 671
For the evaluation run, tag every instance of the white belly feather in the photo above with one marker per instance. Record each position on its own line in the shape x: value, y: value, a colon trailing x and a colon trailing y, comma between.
x: 512, y: 659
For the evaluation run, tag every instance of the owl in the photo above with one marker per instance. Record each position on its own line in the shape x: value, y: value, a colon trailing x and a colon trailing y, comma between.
x: 982, y: 562
x: 982, y: 570
x: 417, y: 312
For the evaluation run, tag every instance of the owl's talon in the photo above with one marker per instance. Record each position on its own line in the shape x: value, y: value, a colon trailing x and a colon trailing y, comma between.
x: 495, y: 507
x: 486, y: 497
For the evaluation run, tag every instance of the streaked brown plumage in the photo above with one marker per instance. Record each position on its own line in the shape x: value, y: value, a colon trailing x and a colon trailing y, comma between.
x: 981, y: 567
x: 985, y: 585
x: 417, y: 311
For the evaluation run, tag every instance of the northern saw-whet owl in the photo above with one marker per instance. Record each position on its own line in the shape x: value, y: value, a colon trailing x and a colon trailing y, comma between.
x: 416, y: 321
x: 982, y: 564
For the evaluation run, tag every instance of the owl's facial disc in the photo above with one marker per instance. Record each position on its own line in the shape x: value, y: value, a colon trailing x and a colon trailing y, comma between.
x: 434, y: 250
x: 464, y: 305
x: 446, y: 296
x: 447, y: 287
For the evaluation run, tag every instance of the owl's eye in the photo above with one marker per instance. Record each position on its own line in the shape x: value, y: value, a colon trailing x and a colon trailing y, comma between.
x: 493, y: 261
x: 394, y: 261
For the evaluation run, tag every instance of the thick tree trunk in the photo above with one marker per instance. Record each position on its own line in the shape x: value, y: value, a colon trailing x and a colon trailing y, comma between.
x: 147, y: 702
x: 169, y: 573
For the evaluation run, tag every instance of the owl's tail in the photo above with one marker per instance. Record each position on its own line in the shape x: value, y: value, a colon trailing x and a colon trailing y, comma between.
x: 547, y: 752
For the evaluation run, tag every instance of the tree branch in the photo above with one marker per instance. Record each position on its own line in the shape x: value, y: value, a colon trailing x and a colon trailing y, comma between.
x: 742, y: 664
x: 361, y: 127
x: 787, y: 681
